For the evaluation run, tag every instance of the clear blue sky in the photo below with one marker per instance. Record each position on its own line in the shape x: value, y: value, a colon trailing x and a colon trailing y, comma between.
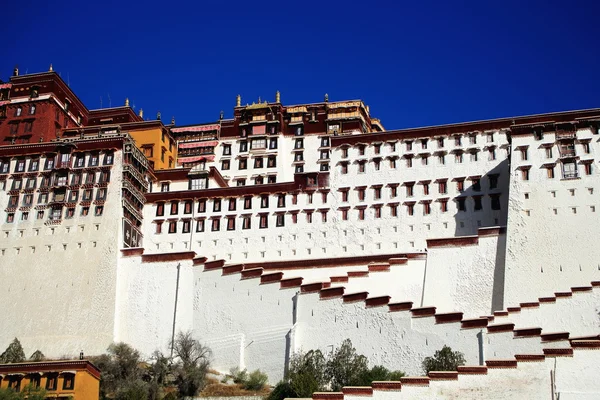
x: 415, y: 63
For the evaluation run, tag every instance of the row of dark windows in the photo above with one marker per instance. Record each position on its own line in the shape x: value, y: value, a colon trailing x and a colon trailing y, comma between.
x: 442, y: 188
x: 35, y: 380
x: 56, y: 213
x: 60, y: 179
x: 70, y: 196
x: 232, y: 203
x: 61, y: 161
x: 258, y: 163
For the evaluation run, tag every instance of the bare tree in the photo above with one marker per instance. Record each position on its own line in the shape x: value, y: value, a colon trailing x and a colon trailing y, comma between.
x: 193, y: 361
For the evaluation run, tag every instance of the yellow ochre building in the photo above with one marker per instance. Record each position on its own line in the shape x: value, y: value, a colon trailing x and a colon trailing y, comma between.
x: 71, y: 379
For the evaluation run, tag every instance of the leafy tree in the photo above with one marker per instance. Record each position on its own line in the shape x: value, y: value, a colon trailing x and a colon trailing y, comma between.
x: 256, y: 380
x: 121, y: 375
x: 443, y: 360
x: 283, y: 390
x: 192, y: 366
x: 307, y: 373
x: 378, y: 373
x: 345, y: 366
x: 13, y: 354
x: 37, y: 356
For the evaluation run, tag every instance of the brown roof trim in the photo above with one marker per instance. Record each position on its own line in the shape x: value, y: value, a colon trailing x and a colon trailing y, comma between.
x: 446, y: 318
x: 311, y: 287
x: 113, y: 142
x: 355, y: 297
x: 559, y: 352
x: 527, y: 332
x: 501, y: 328
x: 329, y: 262
x: 474, y: 323
x: 291, y: 283
x: 230, y: 191
x: 402, y: 306
x: 529, y: 357
x: 132, y: 251
x: 331, y: 293
x: 501, y: 363
x: 251, y: 273
x: 443, y: 375
x: 328, y: 396
x: 423, y: 312
x: 377, y: 301
x: 415, y: 380
x: 453, y: 242
x: 357, y: 390
x: 208, y: 265
x: 554, y: 336
x: 386, y: 385
x: 162, y: 257
x: 461, y: 127
x: 232, y: 269
x: 472, y: 370
x: 271, y: 278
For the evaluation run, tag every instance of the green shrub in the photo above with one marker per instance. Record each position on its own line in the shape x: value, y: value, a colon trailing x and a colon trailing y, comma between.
x: 256, y: 380
x: 443, y: 360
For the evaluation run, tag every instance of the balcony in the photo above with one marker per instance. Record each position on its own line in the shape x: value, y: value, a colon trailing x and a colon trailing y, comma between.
x: 567, y: 152
x: 562, y: 134
x: 570, y: 175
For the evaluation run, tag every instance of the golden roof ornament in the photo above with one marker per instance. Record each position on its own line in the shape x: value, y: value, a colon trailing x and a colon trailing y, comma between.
x: 238, y: 101
x: 141, y: 113
x: 326, y: 97
x: 50, y: 69
x: 127, y: 102
x: 173, y: 120
x: 158, y: 115
x: 277, y: 97
x: 16, y: 71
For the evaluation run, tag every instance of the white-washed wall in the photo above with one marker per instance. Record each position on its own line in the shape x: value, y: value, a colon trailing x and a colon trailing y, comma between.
x: 58, y: 282
x: 552, y: 223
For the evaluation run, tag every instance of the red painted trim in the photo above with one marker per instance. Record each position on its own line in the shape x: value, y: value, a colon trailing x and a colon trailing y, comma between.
x: 563, y: 294
x: 252, y: 273
x: 398, y: 261
x: 423, y: 312
x: 232, y: 269
x: 585, y: 344
x: 547, y: 299
x: 415, y: 380
x: 554, y: 336
x: 311, y: 287
x: 233, y: 191
x: 358, y: 274
x: 472, y: 370
x: 500, y: 328
x: 501, y: 363
x: 492, y: 231
x: 453, y: 242
x: 164, y: 257
x: 339, y: 279
x: 377, y: 301
x: 596, y: 283
x: 566, y: 352
x: 357, y: 391
x: 529, y: 357
x: 443, y: 375
x: 200, y: 260
x: 214, y: 264
x: 594, y: 337
x: 403, y: 306
x: 328, y: 396
x: 474, y: 323
x: 354, y: 297
x: 581, y: 289
x: 290, y: 283
x: 446, y: 318
x: 330, y: 262
x: 533, y: 304
x: 513, y: 309
x: 131, y: 252
x: 331, y: 293
x: 271, y: 278
x: 500, y: 313
x: 379, y: 267
x: 528, y: 332
x: 386, y: 385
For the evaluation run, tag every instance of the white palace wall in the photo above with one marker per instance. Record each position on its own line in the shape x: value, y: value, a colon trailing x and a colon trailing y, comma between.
x: 552, y: 223
x: 58, y: 282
